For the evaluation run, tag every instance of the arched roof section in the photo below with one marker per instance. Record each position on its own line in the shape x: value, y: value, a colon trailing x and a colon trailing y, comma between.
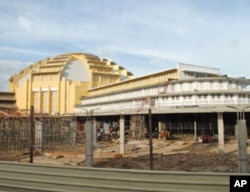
x: 76, y: 70
x: 72, y: 66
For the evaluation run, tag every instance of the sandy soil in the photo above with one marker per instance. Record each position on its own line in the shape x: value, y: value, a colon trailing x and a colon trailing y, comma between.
x: 178, y: 154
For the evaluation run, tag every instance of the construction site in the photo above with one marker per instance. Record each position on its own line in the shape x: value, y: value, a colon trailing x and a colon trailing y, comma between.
x: 19, y: 132
x: 183, y: 118
x: 60, y: 140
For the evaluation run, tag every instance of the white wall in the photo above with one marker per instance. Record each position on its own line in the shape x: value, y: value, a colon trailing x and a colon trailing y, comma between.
x: 178, y: 93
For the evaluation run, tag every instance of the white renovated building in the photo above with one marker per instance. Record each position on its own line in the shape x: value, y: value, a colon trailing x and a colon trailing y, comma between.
x: 198, y: 100
x: 194, y: 90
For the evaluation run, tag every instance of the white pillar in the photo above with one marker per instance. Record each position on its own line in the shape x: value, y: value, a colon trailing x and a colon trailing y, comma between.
x: 195, y: 128
x: 220, y: 132
x: 159, y: 128
x: 122, y: 135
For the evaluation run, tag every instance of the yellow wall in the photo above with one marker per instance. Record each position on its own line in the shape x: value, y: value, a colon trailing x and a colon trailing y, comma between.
x: 43, y: 85
x: 152, y: 79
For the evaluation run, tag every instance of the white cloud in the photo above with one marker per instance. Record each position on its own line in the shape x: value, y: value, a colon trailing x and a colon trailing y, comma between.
x: 136, y: 33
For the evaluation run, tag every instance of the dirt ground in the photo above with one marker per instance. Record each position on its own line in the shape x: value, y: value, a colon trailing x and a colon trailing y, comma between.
x: 179, y: 154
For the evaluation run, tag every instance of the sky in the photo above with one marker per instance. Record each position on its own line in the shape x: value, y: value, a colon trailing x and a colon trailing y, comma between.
x: 143, y: 36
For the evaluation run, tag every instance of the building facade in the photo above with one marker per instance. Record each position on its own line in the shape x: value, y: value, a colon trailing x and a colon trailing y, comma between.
x: 183, y: 87
x: 201, y: 94
x: 186, y: 99
x: 189, y: 99
x: 54, y: 85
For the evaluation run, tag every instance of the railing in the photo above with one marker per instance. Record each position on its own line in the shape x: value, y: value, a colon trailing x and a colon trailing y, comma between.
x: 30, y: 177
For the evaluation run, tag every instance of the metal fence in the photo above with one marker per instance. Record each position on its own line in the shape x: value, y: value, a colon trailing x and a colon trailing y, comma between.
x: 50, y: 133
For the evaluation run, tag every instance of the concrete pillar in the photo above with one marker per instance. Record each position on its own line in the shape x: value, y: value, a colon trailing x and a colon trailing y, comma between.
x: 89, y: 144
x: 220, y: 132
x: 141, y: 126
x: 122, y: 135
x: 195, y: 130
x: 242, y: 146
x: 159, y: 129
x: 94, y: 132
x: 73, y: 128
x: 236, y: 132
x: 133, y: 125
x: 39, y: 134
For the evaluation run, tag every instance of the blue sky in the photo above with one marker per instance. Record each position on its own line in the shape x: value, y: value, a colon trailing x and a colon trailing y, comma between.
x: 144, y: 36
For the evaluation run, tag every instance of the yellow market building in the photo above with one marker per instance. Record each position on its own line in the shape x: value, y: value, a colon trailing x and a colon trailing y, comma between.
x: 56, y: 84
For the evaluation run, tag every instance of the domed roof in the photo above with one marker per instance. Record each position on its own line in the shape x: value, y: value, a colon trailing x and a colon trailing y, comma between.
x: 73, y: 67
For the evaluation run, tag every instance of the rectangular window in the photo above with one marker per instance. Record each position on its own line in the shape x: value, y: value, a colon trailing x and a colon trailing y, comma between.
x: 36, y: 101
x: 54, y: 104
x: 45, y: 102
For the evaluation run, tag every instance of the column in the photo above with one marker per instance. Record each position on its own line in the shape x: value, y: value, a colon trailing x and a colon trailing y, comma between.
x: 94, y: 132
x: 73, y: 128
x: 122, y: 135
x: 159, y: 129
x: 141, y: 134
x: 195, y: 128
x: 242, y: 146
x: 88, y: 144
x: 220, y: 132
x: 133, y: 125
x: 49, y: 101
x: 40, y: 102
